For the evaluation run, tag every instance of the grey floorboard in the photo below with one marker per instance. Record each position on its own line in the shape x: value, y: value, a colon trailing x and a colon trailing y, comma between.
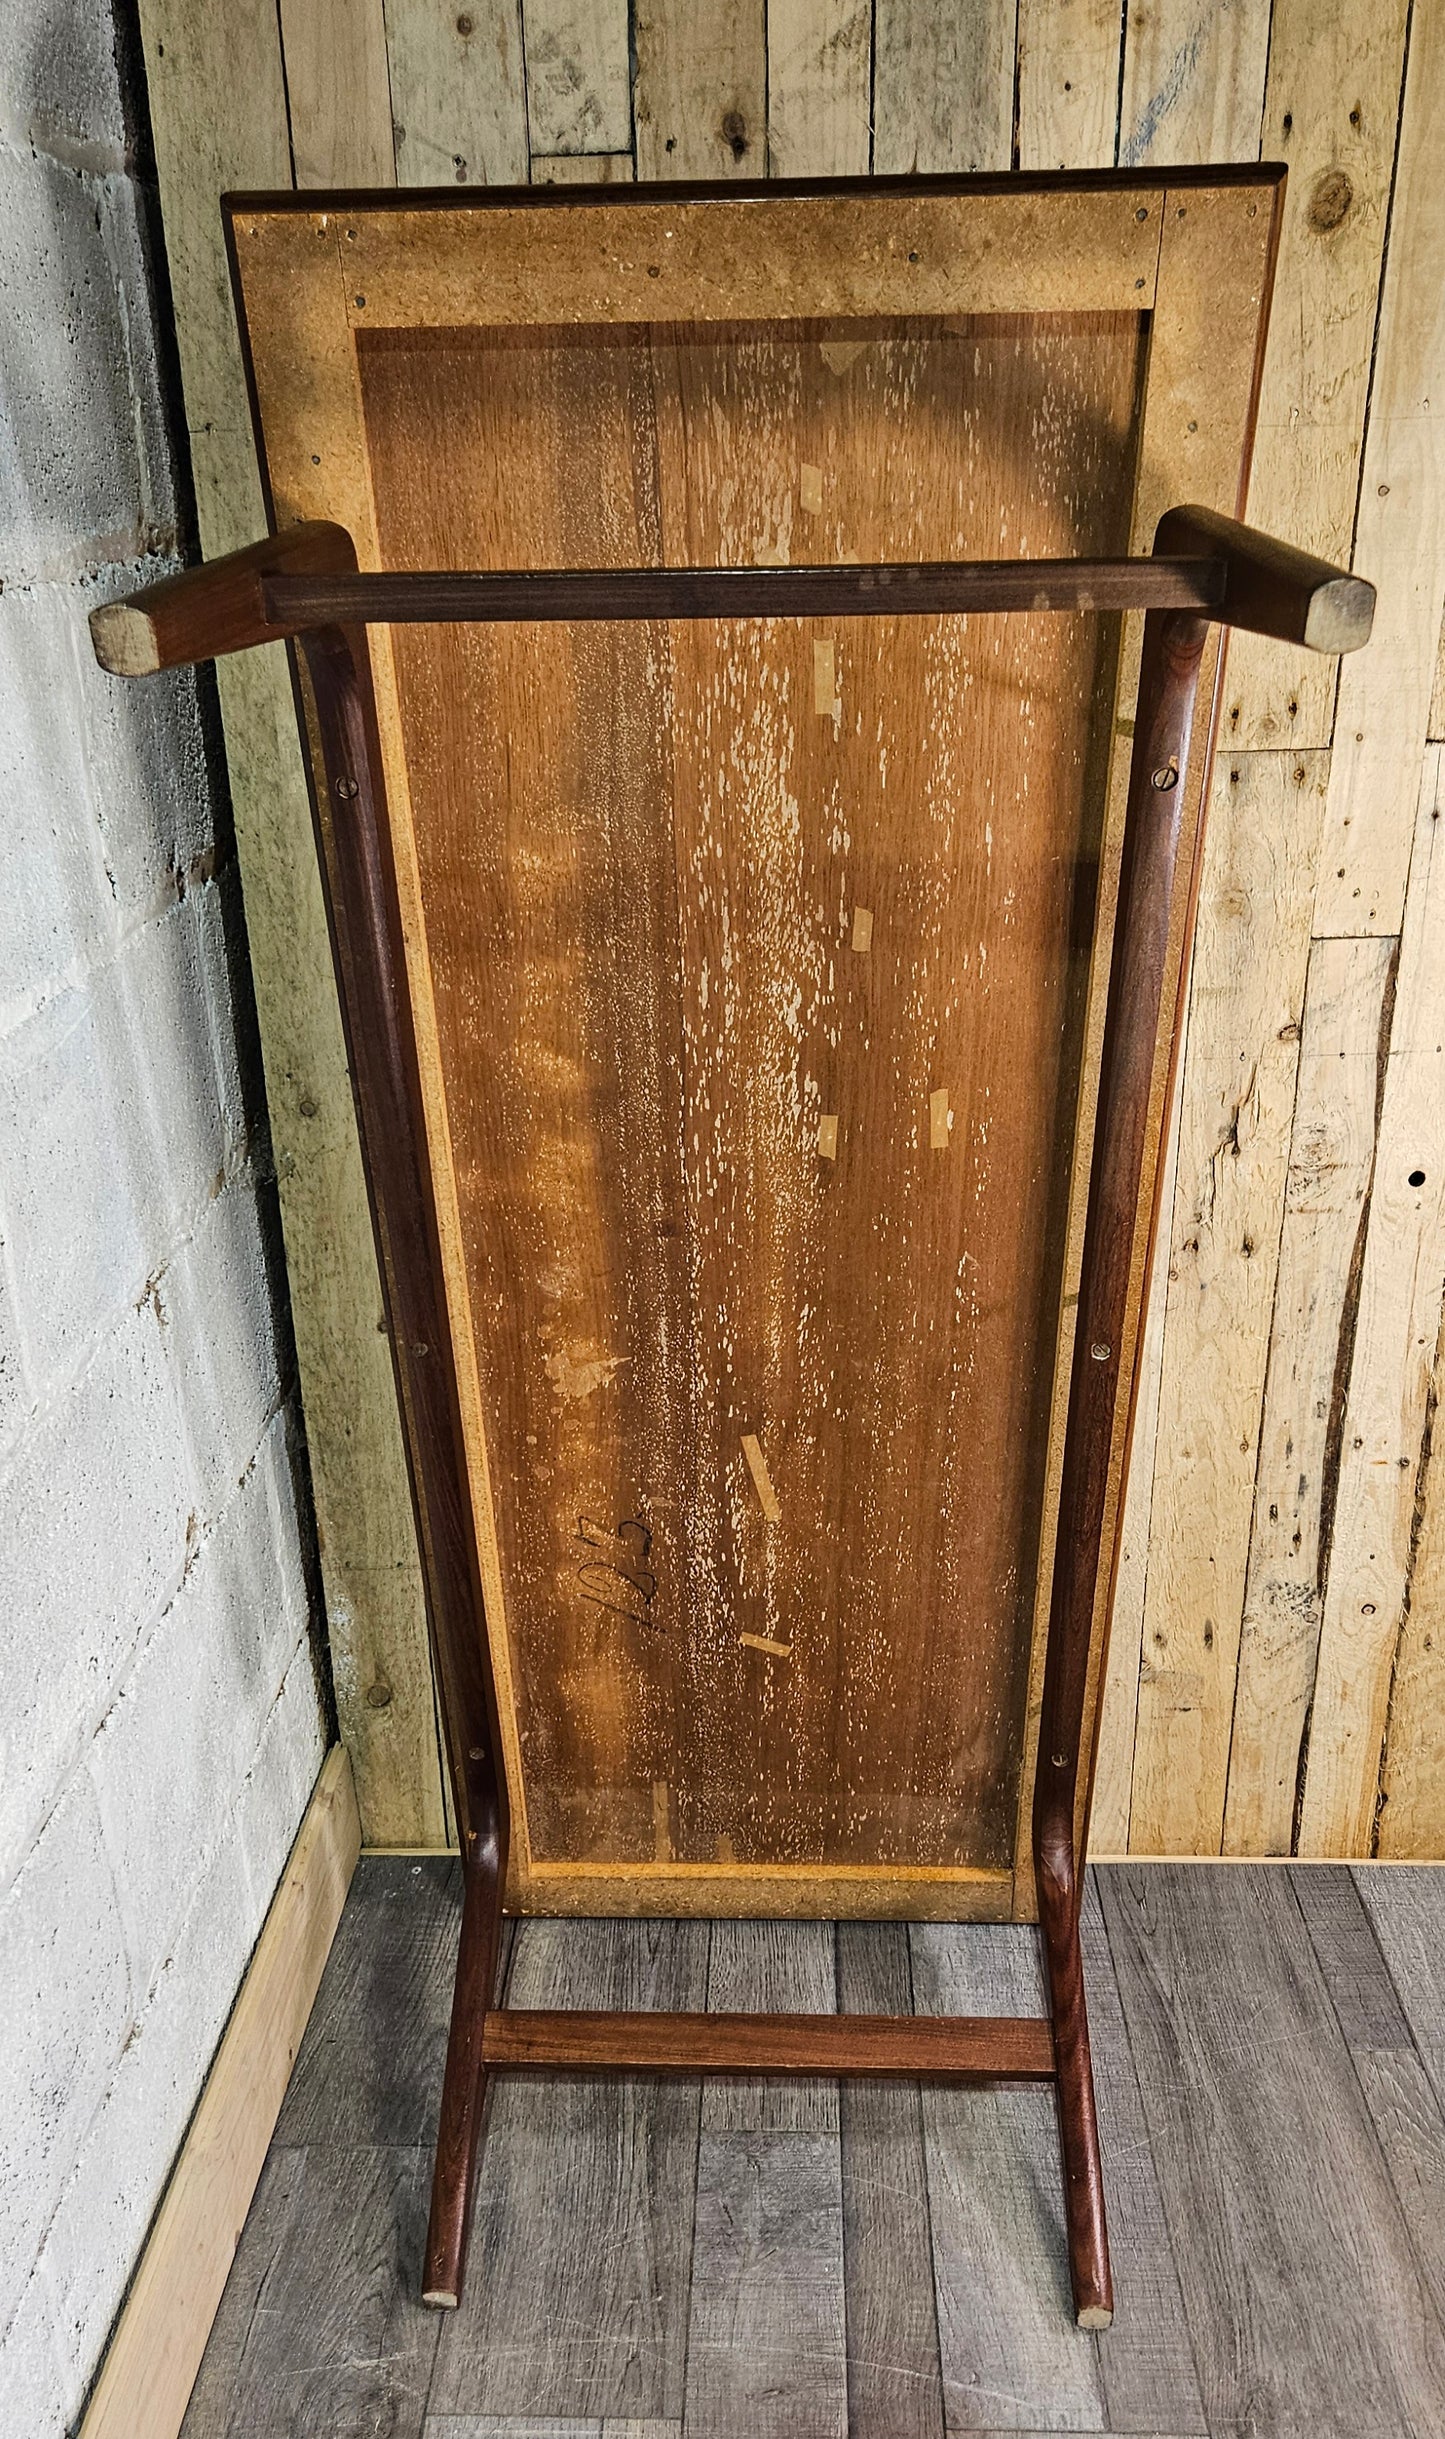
x: 1306, y: 2305
x: 273, y: 2204
x: 1146, y: 2361
x: 369, y: 2069
x: 576, y: 2300
x: 767, y: 2338
x: 895, y: 2381
x: 1012, y: 2356
x: 510, y: 2426
x: 334, y: 2340
x: 1406, y: 1904
x: 1404, y: 2110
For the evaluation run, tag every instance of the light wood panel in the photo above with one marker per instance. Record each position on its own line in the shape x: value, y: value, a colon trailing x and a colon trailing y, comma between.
x: 1311, y: 82
x: 151, y: 2363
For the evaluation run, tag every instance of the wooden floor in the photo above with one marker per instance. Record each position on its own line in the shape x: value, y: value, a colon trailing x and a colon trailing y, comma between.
x: 763, y: 2259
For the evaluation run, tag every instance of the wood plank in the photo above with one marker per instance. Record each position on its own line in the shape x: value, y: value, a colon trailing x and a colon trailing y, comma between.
x: 339, y: 2338
x: 577, y: 2296
x: 1194, y: 74
x: 895, y: 2381
x: 1068, y: 83
x: 1330, y: 112
x: 197, y: 61
x: 1304, y: 2299
x: 820, y: 63
x: 369, y: 2070
x: 1405, y: 1909
x: 338, y: 92
x: 767, y: 2342
x: 1383, y: 1442
x: 579, y: 2040
x: 578, y: 86
x: 1146, y: 2362
x: 1332, y: 1153
x: 1410, y: 1825
x: 153, y: 2357
x: 756, y: 1966
x: 1384, y: 699
x: 273, y: 2206
x: 458, y: 98
x: 701, y: 89
x: 1246, y: 1002
x: 529, y: 2426
x: 582, y: 169
x: 1006, y: 2332
x: 943, y: 84
x: 1404, y: 2108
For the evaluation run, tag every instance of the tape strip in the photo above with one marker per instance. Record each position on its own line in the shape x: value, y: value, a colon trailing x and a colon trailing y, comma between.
x: 762, y: 1481
x: 810, y: 489
x: 940, y: 1118
x: 827, y: 1138
x: 862, y: 939
x: 825, y: 680
x: 760, y: 1642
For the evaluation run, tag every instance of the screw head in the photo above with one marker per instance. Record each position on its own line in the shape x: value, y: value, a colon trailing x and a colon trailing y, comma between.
x: 346, y: 789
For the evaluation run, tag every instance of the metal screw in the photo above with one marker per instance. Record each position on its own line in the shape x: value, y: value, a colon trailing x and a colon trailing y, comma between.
x: 346, y: 789
x: 420, y: 1347
x: 1100, y: 1352
x: 1166, y: 777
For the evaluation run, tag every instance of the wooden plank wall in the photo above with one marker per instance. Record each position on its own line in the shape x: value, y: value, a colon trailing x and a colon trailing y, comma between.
x: 1277, y: 1679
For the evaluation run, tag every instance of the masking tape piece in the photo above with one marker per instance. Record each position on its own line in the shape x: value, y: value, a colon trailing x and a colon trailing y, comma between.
x: 762, y: 1480
x: 940, y: 1118
x: 862, y: 939
x: 760, y: 1642
x: 827, y: 1138
x: 825, y: 680
x: 810, y: 489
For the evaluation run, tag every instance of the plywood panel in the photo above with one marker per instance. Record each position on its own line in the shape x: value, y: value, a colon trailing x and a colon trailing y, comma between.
x: 458, y: 95
x: 943, y: 84
x: 1384, y: 700
x: 1386, y: 1403
x: 1330, y: 113
x: 1246, y: 1002
x: 701, y: 86
x: 1344, y: 1036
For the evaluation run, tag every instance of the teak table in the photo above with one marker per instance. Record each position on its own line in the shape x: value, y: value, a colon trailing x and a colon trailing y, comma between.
x: 760, y: 927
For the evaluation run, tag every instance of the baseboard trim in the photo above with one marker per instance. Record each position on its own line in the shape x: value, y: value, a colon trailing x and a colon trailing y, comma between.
x: 151, y: 2364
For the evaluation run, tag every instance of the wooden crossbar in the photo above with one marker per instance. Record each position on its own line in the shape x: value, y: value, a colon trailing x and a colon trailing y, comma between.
x: 294, y: 602
x: 938, y: 2048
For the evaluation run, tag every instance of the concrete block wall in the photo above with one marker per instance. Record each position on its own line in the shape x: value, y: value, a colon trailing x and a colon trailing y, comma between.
x: 161, y: 1721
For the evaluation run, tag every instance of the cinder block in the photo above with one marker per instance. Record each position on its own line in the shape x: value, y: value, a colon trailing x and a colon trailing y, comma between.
x: 215, y: 909
x: 78, y: 326
x: 172, y: 1753
x: 222, y: 1337
x: 93, y: 1523
x: 56, y: 915
x: 278, y: 1785
x: 14, y: 1390
x: 62, y: 87
x: 120, y: 2172
x: 40, y: 2387
x: 112, y: 1141
x: 145, y: 756
x: 60, y: 1933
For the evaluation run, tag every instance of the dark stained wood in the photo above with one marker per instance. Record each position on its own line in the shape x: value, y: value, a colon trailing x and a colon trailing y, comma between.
x: 206, y: 611
x: 334, y: 2339
x: 895, y: 2383
x: 1310, y: 2315
x: 956, y: 2050
x: 578, y: 2300
x: 1123, y: 1182
x: 1270, y: 588
x: 536, y: 595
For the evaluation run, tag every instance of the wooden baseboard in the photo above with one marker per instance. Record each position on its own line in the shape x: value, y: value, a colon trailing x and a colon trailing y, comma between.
x: 150, y: 2367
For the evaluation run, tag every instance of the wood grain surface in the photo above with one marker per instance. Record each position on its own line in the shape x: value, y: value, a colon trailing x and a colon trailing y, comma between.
x: 640, y: 854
